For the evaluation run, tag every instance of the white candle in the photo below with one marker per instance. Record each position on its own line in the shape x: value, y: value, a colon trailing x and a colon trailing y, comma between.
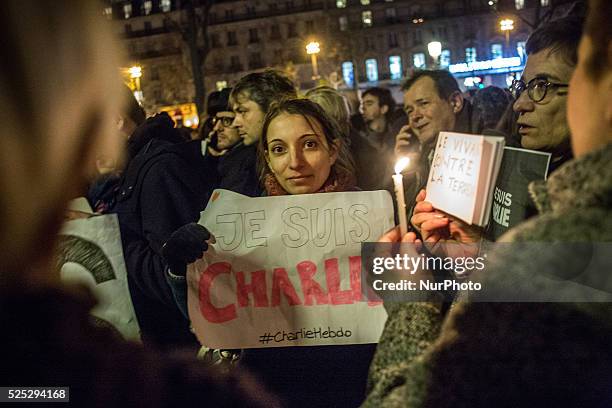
x: 398, y: 182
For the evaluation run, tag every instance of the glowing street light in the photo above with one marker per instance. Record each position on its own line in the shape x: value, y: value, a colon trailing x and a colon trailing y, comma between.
x: 135, y: 74
x: 312, y: 49
x: 506, y: 25
x: 435, y: 50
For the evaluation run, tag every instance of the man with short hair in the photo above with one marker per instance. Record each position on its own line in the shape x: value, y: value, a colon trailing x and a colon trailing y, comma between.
x: 251, y: 98
x: 373, y: 143
x: 433, y: 103
x: 541, y: 93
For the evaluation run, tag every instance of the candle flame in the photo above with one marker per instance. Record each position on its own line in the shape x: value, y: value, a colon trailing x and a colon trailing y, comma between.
x: 401, y: 164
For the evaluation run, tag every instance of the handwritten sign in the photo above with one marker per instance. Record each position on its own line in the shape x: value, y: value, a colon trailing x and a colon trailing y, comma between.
x: 286, y: 270
x: 90, y: 253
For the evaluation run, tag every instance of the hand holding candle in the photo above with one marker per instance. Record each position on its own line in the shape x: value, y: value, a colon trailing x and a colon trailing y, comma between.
x: 398, y: 182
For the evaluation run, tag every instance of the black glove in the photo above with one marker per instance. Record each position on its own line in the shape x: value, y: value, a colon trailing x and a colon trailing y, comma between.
x: 184, y: 246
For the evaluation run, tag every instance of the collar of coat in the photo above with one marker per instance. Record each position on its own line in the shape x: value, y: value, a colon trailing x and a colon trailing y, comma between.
x: 580, y: 183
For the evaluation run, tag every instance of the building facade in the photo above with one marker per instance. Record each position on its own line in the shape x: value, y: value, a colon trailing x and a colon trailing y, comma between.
x: 363, y: 42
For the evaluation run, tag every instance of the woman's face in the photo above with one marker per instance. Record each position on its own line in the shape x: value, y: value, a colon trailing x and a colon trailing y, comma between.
x: 298, y: 154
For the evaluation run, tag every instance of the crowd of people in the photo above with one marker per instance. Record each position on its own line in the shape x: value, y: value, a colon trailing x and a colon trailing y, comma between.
x: 75, y: 130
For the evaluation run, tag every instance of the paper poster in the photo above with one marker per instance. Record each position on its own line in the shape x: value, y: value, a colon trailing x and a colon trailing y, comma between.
x: 286, y: 271
x: 90, y: 252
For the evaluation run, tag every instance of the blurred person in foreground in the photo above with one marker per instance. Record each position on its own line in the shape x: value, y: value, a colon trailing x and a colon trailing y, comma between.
x: 522, y: 354
x: 48, y: 337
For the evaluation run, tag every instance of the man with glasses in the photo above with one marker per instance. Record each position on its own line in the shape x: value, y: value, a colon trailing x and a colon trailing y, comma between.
x: 541, y: 93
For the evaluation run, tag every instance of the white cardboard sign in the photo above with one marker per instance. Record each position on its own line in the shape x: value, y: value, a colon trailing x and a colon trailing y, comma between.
x: 286, y: 271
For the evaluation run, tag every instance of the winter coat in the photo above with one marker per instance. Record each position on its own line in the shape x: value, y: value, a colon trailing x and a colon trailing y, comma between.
x: 48, y: 339
x: 238, y: 170
x: 164, y: 186
x: 515, y: 354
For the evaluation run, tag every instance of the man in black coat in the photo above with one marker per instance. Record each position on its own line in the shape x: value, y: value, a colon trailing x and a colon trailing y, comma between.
x: 165, y: 185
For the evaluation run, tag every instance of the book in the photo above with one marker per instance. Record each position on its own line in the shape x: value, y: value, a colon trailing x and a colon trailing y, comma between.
x: 511, y: 201
x: 463, y: 174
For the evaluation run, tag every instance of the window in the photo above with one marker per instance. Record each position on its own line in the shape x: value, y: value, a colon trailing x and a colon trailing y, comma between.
x: 445, y: 58
x: 392, y: 37
x: 366, y: 18
x: 343, y: 23
x: 165, y: 5
x: 340, y: 3
x: 395, y: 67
x: 127, y: 11
x: 275, y: 33
x: 108, y: 12
x: 291, y: 30
x: 470, y: 54
x: 520, y: 50
x: 365, y: 2
x: 544, y: 3
x: 416, y: 37
x: 371, y: 70
x: 348, y: 73
x: 255, y: 60
x: 497, y: 51
x: 390, y: 15
x: 214, y: 41
x: 250, y: 10
x: 220, y: 85
x: 147, y: 6
x: 231, y: 38
x: 147, y: 26
x: 418, y: 60
x: 229, y: 14
x: 309, y: 26
x: 253, y: 36
x: 235, y: 63
x: 519, y: 4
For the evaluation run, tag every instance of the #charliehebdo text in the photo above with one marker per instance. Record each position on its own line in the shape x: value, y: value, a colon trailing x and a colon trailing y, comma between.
x: 322, y: 245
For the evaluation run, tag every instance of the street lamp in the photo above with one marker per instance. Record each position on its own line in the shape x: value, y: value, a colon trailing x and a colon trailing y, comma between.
x: 506, y: 25
x: 312, y: 49
x: 135, y: 74
x: 435, y: 50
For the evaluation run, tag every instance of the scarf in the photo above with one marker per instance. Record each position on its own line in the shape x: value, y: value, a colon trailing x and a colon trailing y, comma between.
x: 334, y: 183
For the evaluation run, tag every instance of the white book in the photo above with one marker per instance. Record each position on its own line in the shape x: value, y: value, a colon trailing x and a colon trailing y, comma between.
x: 463, y: 174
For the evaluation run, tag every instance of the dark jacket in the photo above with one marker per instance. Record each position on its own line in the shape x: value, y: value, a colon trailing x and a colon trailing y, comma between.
x: 165, y: 185
x: 373, y: 153
x: 49, y: 340
x: 238, y: 170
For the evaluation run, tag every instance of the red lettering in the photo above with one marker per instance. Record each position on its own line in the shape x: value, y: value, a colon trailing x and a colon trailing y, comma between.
x: 281, y: 283
x: 257, y: 287
x: 332, y: 277
x: 209, y: 311
x: 355, y: 275
x: 310, y: 287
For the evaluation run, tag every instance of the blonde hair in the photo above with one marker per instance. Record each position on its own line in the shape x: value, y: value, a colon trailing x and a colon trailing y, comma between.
x: 334, y: 104
x: 59, y: 91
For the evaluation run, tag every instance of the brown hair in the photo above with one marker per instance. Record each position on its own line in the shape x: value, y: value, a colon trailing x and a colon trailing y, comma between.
x: 599, y: 29
x: 311, y: 111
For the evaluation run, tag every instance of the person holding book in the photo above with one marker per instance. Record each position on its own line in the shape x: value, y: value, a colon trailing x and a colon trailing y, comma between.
x: 521, y: 354
x: 540, y: 105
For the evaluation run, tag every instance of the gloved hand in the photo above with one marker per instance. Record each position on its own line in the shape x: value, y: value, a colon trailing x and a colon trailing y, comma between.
x: 184, y: 246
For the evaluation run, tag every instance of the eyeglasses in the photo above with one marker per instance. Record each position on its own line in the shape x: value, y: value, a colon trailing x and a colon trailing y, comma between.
x: 536, y: 88
x: 226, y: 121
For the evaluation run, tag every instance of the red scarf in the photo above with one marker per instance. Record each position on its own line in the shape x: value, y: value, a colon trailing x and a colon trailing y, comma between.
x: 334, y: 183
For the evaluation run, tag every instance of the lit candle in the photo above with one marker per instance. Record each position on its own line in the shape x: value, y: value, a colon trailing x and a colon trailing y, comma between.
x: 398, y: 182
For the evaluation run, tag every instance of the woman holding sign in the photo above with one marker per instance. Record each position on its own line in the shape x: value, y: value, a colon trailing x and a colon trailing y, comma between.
x: 301, y: 152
